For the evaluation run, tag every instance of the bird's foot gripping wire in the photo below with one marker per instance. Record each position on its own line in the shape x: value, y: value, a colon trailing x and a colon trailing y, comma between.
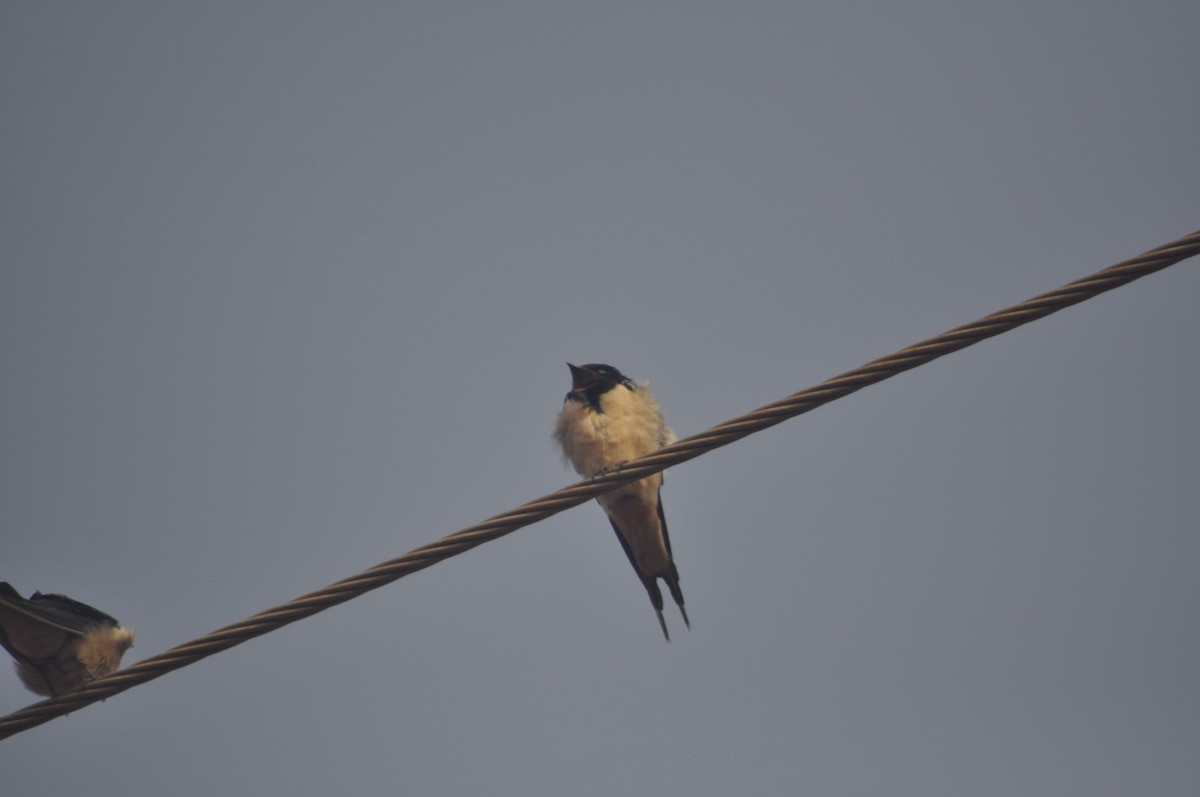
x: 616, y: 467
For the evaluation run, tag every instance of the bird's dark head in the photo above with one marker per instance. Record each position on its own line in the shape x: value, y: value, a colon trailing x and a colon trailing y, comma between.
x: 590, y: 382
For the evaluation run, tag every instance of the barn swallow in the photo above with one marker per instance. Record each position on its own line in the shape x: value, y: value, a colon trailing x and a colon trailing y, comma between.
x: 607, y: 420
x: 60, y: 645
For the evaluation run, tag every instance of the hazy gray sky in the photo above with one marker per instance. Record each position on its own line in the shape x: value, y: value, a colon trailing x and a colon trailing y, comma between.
x: 289, y: 289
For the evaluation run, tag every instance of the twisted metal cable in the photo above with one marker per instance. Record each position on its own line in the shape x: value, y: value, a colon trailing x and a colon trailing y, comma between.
x: 533, y: 511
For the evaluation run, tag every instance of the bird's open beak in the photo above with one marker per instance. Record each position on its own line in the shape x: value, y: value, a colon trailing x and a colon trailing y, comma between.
x: 581, y: 377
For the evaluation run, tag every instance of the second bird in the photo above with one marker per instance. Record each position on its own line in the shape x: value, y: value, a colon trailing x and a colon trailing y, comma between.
x: 606, y: 421
x: 60, y: 645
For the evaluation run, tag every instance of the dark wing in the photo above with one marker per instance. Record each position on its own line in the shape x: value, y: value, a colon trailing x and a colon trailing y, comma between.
x: 672, y: 575
x: 662, y: 521
x: 28, y: 634
x: 68, y: 614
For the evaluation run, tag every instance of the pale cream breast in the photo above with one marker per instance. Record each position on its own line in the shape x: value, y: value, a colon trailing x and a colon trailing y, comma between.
x: 101, y: 649
x: 630, y: 426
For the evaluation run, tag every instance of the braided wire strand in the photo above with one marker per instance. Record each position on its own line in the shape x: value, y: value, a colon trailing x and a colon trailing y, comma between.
x: 533, y: 511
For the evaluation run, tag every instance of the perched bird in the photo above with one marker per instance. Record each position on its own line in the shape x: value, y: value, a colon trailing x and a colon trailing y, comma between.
x: 59, y: 644
x: 606, y: 421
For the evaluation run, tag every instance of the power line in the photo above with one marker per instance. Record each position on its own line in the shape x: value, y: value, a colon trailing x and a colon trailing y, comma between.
x: 541, y: 508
